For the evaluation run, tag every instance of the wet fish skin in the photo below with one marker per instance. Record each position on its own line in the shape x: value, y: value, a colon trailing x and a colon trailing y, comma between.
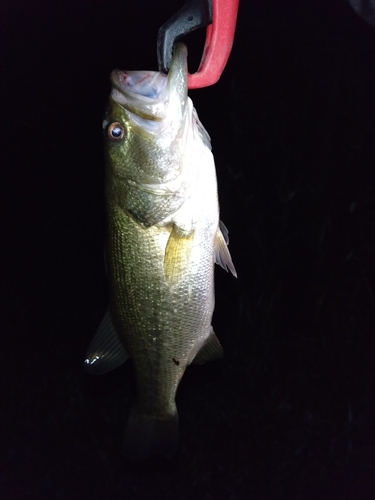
x: 163, y: 240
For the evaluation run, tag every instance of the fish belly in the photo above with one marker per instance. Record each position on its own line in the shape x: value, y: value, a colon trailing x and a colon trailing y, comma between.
x: 162, y: 324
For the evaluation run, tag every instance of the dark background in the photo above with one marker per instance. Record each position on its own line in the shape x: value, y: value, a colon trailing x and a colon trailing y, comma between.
x: 289, y: 412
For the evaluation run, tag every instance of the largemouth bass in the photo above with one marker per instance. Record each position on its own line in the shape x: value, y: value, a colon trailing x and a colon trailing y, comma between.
x: 164, y: 238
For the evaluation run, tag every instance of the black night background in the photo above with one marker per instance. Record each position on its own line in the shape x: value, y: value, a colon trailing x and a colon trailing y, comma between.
x: 289, y: 412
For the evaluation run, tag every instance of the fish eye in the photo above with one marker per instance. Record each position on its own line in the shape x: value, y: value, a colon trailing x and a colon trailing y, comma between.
x: 115, y: 131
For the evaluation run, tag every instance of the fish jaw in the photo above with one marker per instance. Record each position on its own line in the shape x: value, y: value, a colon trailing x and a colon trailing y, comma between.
x: 142, y: 93
x: 154, y: 102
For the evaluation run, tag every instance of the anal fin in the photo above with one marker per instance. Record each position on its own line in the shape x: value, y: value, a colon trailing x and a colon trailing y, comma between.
x: 210, y: 351
x: 105, y: 351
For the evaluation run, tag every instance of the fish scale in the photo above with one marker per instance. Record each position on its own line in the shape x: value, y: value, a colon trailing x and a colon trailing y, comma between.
x: 174, y: 325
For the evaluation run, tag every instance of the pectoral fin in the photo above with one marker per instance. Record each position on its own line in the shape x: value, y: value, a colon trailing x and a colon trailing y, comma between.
x: 210, y: 351
x: 222, y: 255
x: 106, y: 351
x: 177, y: 254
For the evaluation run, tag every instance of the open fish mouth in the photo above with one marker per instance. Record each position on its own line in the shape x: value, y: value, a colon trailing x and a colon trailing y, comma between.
x: 149, y: 94
x: 143, y: 93
x: 144, y: 84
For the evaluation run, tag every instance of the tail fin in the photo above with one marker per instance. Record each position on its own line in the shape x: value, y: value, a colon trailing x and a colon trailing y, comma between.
x: 147, y: 434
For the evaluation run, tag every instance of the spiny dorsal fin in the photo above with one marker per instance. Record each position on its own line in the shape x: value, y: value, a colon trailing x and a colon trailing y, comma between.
x: 222, y: 255
x: 106, y: 351
x: 210, y: 350
x: 177, y: 254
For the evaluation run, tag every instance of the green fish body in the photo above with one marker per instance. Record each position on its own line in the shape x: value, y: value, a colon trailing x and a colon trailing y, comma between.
x: 164, y: 238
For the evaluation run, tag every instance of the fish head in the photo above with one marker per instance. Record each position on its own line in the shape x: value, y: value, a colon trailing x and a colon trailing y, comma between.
x: 145, y: 123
